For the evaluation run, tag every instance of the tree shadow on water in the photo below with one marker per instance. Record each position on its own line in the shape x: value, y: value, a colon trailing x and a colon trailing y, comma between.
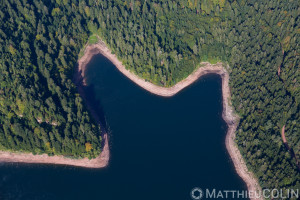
x: 87, y: 93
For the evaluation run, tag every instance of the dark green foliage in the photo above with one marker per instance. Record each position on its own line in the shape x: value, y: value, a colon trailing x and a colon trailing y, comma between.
x: 265, y: 38
x: 40, y: 111
x: 163, y: 42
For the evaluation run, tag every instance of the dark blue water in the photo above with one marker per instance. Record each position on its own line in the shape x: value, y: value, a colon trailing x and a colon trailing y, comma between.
x: 161, y: 148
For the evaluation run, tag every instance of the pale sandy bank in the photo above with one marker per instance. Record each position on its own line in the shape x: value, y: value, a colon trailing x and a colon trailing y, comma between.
x: 100, y: 161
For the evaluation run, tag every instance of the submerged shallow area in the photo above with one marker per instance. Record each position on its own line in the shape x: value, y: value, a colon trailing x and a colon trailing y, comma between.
x: 161, y: 148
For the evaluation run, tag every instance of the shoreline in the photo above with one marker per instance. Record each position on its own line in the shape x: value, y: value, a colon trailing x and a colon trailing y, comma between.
x: 102, y: 160
x: 228, y: 115
x: 99, y: 162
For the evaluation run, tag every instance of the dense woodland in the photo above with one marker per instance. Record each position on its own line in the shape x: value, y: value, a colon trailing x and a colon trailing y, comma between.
x: 163, y: 42
x: 40, y: 110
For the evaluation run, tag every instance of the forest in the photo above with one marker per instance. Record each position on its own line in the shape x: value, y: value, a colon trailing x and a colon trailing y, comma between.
x: 163, y: 42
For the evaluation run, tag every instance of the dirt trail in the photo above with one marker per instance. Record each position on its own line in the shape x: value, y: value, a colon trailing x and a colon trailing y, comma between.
x: 290, y: 149
x: 283, y: 135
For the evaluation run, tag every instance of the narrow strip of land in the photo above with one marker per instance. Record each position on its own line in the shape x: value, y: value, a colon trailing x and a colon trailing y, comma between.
x: 228, y: 115
x: 100, y: 161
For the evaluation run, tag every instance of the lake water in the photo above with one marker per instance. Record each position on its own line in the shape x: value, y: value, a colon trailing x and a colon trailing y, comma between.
x: 161, y: 148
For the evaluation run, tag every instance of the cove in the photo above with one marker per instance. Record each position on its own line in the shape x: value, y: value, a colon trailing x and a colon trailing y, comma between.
x: 161, y: 148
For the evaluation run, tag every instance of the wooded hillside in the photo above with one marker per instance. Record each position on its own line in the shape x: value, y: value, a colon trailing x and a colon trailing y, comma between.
x: 163, y: 42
